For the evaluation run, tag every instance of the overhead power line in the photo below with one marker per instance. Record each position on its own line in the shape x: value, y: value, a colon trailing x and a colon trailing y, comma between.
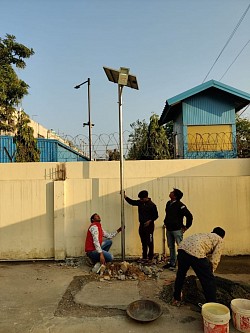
x: 234, y: 60
x: 244, y: 110
x: 230, y: 37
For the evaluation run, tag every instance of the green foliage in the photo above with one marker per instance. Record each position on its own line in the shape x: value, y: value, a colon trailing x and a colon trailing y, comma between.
x: 157, y: 140
x: 243, y: 137
x: 148, y: 142
x: 26, y: 145
x: 12, y: 89
x: 138, y: 140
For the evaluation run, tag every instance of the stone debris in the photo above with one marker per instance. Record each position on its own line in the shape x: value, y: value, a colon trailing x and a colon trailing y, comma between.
x: 124, y: 270
x: 127, y: 271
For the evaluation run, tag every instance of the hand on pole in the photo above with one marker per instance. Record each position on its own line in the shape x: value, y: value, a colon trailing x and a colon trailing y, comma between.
x: 120, y: 229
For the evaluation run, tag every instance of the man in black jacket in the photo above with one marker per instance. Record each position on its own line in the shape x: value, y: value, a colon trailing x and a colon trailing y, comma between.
x: 148, y: 213
x: 175, y: 212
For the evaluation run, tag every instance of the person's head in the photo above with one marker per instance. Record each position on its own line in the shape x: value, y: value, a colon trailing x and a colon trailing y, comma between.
x: 175, y: 194
x: 143, y: 195
x: 95, y: 218
x: 219, y: 231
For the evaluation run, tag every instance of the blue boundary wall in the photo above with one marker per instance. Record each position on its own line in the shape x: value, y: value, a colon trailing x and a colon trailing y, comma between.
x: 50, y: 151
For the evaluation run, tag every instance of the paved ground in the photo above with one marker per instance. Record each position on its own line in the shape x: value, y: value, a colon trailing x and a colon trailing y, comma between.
x: 48, y: 297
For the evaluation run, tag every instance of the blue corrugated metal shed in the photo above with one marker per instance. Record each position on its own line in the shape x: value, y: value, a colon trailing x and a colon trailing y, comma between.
x: 50, y: 151
x: 173, y: 106
x: 7, y: 149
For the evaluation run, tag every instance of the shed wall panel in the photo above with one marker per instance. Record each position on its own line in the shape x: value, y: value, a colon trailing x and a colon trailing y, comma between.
x: 205, y: 110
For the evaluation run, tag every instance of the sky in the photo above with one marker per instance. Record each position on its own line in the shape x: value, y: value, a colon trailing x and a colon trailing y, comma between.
x: 169, y: 45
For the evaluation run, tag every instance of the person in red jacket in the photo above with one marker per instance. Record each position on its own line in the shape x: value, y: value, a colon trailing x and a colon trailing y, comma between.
x: 96, y: 248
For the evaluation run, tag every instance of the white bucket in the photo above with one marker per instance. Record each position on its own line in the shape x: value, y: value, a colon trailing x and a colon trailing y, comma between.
x: 241, y: 314
x: 215, y: 318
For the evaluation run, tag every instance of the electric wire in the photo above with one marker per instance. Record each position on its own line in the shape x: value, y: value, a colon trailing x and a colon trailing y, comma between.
x: 244, y: 110
x: 230, y: 37
x: 234, y: 60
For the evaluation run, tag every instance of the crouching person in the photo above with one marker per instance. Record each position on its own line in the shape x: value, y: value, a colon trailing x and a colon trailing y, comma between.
x: 193, y: 252
x: 97, y: 248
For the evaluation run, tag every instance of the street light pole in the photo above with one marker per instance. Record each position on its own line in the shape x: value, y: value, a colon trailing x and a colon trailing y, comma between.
x: 120, y: 88
x: 89, y: 124
x: 122, y: 78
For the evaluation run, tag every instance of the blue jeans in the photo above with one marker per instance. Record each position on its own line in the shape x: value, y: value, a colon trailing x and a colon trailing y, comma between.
x: 173, y: 237
x: 95, y: 256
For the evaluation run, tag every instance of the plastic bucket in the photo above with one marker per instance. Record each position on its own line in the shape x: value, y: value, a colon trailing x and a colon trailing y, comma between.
x: 241, y: 314
x: 215, y: 318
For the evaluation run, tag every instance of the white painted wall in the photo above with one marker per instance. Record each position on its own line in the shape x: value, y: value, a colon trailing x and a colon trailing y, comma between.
x: 44, y: 217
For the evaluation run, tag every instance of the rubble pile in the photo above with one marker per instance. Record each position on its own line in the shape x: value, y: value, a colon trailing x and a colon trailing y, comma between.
x: 126, y: 271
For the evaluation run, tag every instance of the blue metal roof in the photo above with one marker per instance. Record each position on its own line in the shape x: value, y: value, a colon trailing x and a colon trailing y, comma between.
x: 173, y: 105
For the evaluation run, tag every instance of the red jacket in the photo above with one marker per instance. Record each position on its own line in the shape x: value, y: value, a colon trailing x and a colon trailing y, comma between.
x: 89, y: 244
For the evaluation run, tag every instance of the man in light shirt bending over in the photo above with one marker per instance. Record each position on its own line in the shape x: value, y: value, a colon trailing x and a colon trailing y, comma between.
x: 193, y: 252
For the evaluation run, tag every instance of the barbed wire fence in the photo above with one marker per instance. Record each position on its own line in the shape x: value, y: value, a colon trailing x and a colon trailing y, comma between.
x: 198, y: 145
x: 106, y: 147
x: 102, y: 144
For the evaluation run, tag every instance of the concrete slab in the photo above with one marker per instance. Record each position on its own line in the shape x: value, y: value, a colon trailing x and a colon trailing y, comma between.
x: 108, y: 294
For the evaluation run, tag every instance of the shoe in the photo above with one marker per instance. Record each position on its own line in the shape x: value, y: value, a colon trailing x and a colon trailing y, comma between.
x: 169, y: 266
x: 172, y: 268
x: 141, y: 260
x: 96, y: 268
x: 174, y: 302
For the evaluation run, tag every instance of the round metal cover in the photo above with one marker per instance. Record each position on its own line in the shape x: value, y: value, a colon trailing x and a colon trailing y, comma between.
x: 144, y: 310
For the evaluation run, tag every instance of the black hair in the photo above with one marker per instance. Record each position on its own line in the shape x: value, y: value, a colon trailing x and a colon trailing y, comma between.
x: 178, y: 194
x: 219, y: 231
x: 92, y: 217
x: 143, y: 194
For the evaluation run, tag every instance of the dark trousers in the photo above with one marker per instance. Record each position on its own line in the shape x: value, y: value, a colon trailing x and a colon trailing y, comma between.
x: 147, y: 240
x: 203, y: 270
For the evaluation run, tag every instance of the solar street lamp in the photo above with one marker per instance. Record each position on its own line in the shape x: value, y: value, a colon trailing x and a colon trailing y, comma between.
x: 122, y: 78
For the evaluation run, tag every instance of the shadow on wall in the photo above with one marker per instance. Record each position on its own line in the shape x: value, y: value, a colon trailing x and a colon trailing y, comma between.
x: 53, y: 217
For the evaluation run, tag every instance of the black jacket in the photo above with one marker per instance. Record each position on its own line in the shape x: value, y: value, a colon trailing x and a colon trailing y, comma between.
x: 175, y: 212
x: 147, y: 210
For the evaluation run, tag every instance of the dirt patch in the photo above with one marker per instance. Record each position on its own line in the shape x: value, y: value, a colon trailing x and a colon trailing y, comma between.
x: 68, y: 307
x: 193, y: 294
x: 151, y: 287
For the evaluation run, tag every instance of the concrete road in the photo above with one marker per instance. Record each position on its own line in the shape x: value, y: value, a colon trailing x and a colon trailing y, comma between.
x: 32, y: 297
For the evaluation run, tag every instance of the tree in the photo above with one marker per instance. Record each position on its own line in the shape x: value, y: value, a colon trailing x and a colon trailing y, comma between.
x: 243, y: 137
x: 26, y: 144
x: 138, y: 140
x: 148, y: 142
x: 157, y: 141
x: 12, y: 89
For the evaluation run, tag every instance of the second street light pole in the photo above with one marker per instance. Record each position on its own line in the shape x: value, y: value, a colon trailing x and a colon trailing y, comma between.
x: 89, y: 124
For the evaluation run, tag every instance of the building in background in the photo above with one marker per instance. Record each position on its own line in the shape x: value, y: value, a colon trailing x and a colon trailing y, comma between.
x: 52, y: 147
x: 204, y: 120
